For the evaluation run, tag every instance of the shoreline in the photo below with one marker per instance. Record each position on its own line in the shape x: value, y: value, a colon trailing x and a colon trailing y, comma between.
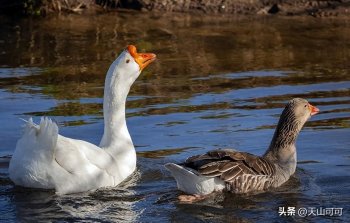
x: 288, y: 8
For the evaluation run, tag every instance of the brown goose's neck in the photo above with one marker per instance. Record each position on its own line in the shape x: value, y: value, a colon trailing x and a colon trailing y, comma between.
x: 282, y: 144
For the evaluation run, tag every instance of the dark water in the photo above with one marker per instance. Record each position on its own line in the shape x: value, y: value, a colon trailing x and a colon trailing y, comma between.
x: 218, y: 82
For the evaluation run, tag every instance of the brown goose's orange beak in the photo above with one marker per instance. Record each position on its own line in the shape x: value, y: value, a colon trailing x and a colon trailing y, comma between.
x: 142, y: 59
x: 313, y: 110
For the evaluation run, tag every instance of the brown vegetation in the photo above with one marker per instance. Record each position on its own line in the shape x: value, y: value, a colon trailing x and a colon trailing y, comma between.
x: 316, y: 8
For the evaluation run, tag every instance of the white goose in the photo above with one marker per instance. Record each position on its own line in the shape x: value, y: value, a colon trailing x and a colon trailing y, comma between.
x: 45, y: 159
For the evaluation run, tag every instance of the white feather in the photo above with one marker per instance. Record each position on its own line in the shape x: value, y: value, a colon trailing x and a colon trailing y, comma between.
x: 191, y: 182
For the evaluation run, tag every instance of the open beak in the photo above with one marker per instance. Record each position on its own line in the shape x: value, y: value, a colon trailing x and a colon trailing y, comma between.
x: 313, y: 110
x: 142, y: 59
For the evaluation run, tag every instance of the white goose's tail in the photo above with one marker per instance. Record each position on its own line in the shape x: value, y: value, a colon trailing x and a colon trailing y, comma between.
x: 42, y: 137
x: 191, y: 182
x: 33, y: 151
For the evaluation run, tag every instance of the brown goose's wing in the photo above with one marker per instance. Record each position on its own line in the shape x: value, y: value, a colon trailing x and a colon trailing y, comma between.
x: 229, y: 164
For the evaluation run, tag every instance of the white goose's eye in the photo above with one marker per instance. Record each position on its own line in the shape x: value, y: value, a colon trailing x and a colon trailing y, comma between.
x: 127, y: 61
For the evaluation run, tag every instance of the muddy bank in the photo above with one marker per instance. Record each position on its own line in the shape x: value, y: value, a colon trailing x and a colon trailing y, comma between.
x: 250, y: 7
x: 316, y: 8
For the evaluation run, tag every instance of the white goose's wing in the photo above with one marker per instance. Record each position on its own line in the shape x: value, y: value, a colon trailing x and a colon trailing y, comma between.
x: 81, y: 166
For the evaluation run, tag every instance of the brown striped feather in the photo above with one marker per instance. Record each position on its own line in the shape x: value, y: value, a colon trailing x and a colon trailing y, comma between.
x: 231, y: 174
x: 230, y: 164
x: 213, y: 174
x: 207, y: 169
x: 227, y: 166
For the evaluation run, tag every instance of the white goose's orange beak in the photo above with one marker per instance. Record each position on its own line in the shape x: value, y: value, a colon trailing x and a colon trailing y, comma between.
x: 142, y: 59
x: 313, y: 110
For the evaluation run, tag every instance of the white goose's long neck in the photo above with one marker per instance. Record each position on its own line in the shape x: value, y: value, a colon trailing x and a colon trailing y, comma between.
x: 116, y: 138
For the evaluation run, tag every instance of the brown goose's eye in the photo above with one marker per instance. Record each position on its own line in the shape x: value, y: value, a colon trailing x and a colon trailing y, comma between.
x: 127, y: 61
x: 305, y: 106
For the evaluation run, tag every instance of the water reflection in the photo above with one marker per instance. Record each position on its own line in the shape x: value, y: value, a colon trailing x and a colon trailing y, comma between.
x: 108, y: 205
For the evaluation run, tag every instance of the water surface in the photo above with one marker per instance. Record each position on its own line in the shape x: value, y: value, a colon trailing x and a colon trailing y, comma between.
x: 219, y: 82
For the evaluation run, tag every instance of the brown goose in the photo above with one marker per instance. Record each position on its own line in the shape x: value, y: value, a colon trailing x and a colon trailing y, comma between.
x: 242, y: 172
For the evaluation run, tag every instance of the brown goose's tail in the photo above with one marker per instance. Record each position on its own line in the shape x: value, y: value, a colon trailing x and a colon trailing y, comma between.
x: 191, y: 182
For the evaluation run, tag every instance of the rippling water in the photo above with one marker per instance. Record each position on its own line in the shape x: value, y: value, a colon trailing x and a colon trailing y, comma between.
x: 218, y: 82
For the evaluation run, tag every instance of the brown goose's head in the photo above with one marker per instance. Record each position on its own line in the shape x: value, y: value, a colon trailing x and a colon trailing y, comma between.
x: 300, y: 109
x: 292, y: 120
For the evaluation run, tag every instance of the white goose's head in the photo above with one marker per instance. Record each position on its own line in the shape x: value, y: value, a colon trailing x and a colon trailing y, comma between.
x: 130, y: 63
